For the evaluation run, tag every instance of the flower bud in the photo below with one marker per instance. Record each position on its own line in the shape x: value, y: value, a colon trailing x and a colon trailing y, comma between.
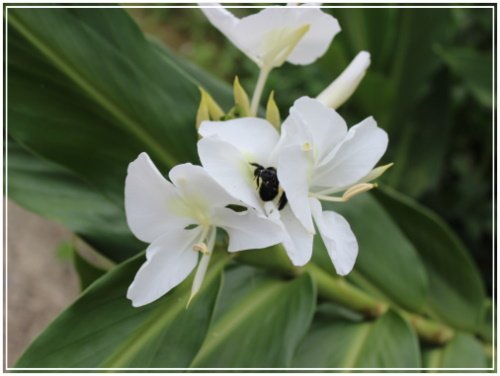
x: 344, y: 85
x: 272, y: 112
x: 241, y: 98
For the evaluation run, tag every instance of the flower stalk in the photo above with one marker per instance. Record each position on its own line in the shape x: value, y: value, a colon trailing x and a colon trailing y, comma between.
x: 340, y: 291
x: 259, y: 88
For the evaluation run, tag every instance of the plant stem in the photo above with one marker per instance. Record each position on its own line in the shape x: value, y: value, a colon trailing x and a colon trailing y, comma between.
x: 340, y: 291
x: 259, y: 87
x: 428, y: 330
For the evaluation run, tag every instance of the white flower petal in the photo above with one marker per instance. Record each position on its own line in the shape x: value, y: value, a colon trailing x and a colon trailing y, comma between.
x: 267, y: 33
x: 297, y: 241
x: 293, y: 174
x: 170, y: 260
x: 253, y: 137
x: 325, y: 126
x: 344, y: 86
x: 247, y: 230
x: 361, y: 149
x: 316, y: 42
x: 228, y: 166
x: 222, y: 19
x: 338, y: 237
x: 198, y: 187
x: 149, y: 198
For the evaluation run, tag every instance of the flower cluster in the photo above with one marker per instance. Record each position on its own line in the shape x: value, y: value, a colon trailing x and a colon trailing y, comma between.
x: 279, y: 173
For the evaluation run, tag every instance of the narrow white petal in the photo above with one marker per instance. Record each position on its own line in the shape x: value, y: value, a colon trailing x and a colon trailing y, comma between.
x: 222, y: 19
x: 203, y: 265
x: 359, y: 152
x: 198, y: 187
x: 149, y: 201
x: 293, y: 174
x: 228, y: 166
x: 253, y: 137
x: 340, y: 90
x: 228, y: 24
x: 338, y: 237
x: 297, y: 241
x: 170, y: 259
x: 247, y: 230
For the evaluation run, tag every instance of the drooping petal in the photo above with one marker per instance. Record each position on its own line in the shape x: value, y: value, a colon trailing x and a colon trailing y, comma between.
x: 203, y: 265
x: 325, y: 126
x: 253, y: 137
x: 198, y: 188
x: 294, y: 169
x: 266, y: 37
x: 247, y: 230
x: 344, y: 85
x: 338, y: 237
x: 297, y: 241
x: 361, y: 149
x: 152, y: 205
x: 170, y: 259
x: 229, y: 167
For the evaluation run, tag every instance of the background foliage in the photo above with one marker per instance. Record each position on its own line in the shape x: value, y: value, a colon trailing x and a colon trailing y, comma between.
x: 87, y: 92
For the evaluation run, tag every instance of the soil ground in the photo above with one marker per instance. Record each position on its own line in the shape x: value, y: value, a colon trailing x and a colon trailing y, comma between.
x: 39, y: 285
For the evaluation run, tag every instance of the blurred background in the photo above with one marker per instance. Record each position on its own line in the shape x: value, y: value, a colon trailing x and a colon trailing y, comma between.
x: 429, y: 85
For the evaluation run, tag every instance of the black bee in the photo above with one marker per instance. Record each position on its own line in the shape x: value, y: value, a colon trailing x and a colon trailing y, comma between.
x: 268, y: 184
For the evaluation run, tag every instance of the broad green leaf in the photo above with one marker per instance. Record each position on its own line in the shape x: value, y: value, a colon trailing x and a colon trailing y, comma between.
x: 58, y: 194
x: 87, y: 273
x: 414, y: 59
x: 102, y: 329
x: 456, y: 294
x: 464, y: 351
x: 99, y: 94
x: 259, y: 320
x: 486, y: 327
x: 387, y: 265
x: 419, y: 169
x: 474, y: 68
x: 336, y: 342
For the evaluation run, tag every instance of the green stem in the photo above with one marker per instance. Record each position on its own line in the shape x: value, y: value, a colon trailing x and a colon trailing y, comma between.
x: 429, y: 331
x: 259, y: 87
x: 340, y: 291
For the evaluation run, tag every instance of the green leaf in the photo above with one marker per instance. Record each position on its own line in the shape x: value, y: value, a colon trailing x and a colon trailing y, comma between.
x: 56, y: 193
x: 88, y: 92
x: 474, y: 68
x: 336, y: 342
x: 87, y: 272
x: 388, y: 265
x: 102, y: 329
x: 259, y: 320
x: 464, y: 351
x: 456, y: 294
x: 416, y: 169
x: 414, y: 58
x: 486, y: 327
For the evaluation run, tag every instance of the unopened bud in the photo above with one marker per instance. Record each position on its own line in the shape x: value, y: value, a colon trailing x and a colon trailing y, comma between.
x: 241, y: 98
x: 214, y: 109
x: 273, y: 112
x: 344, y: 85
x: 202, y: 113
